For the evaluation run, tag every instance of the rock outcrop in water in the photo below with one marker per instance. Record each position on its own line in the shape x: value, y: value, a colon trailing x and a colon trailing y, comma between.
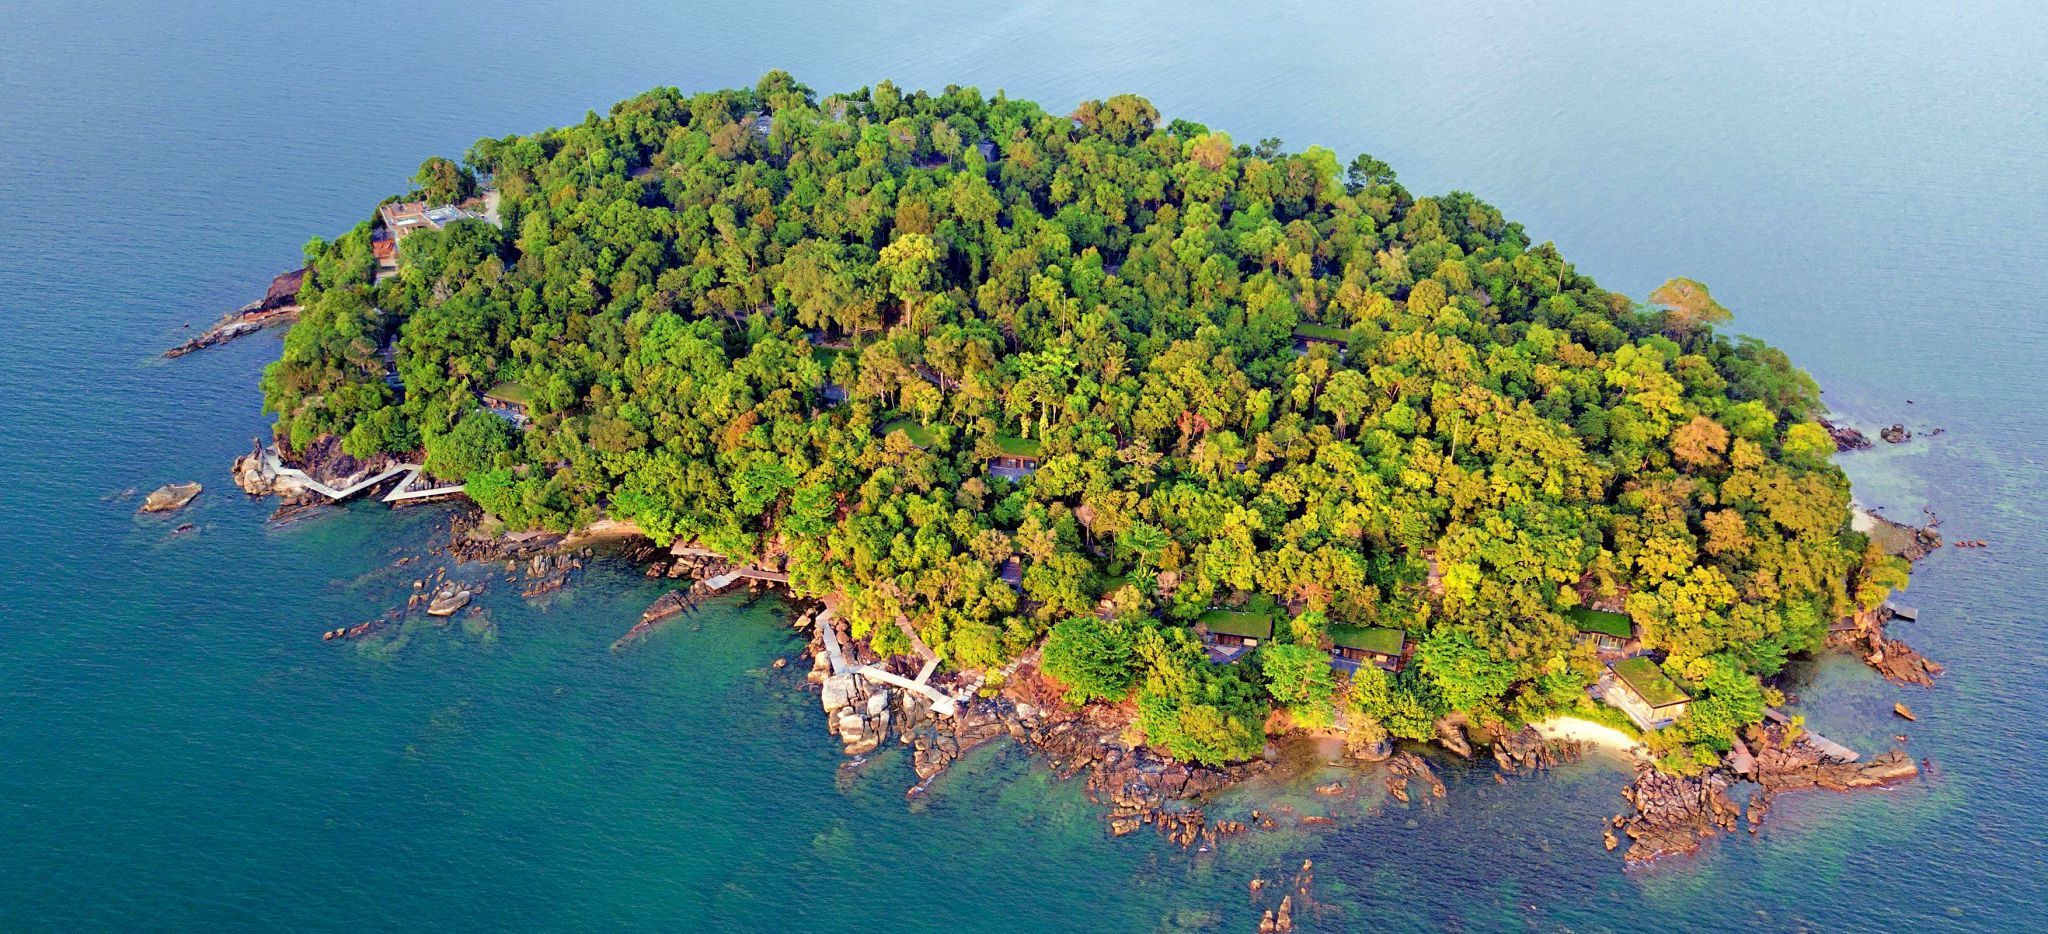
x: 1406, y: 767
x: 1898, y: 662
x: 171, y: 497
x: 451, y: 598
x: 1525, y: 750
x: 1673, y: 814
x: 279, y: 305
x: 1845, y: 437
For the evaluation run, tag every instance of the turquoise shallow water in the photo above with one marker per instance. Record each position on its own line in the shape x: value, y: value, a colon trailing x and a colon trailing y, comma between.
x: 1860, y: 183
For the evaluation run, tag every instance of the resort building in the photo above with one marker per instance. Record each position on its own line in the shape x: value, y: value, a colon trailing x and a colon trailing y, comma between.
x: 1611, y: 632
x: 1232, y: 634
x: 385, y: 249
x: 403, y: 218
x: 1639, y: 688
x: 510, y: 401
x: 1309, y: 335
x: 1015, y: 458
x: 1352, y: 646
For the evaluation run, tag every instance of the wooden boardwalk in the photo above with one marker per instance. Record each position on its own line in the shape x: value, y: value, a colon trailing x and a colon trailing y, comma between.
x: 1828, y: 747
x: 942, y: 704
x: 400, y: 493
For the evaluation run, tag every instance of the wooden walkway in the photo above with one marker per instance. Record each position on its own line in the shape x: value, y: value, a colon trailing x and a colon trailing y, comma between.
x: 729, y: 578
x: 403, y: 491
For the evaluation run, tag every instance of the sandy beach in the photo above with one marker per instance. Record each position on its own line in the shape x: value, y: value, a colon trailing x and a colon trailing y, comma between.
x: 1586, y: 731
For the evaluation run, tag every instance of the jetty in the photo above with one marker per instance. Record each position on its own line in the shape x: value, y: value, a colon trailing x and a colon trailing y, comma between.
x: 1828, y: 747
x: 942, y: 703
x: 676, y: 601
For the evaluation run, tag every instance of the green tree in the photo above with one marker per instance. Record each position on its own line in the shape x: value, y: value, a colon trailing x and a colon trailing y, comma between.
x: 474, y: 445
x: 1092, y: 657
x: 1299, y: 679
x: 442, y: 181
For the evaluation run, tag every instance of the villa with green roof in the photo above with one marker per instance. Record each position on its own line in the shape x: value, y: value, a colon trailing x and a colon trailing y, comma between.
x: 1351, y: 646
x: 1015, y: 458
x: 1640, y: 689
x: 1232, y: 634
x: 1308, y: 335
x: 510, y: 401
x: 1612, y: 632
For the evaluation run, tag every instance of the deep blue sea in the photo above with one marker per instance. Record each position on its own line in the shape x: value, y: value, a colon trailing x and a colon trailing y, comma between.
x: 1865, y: 184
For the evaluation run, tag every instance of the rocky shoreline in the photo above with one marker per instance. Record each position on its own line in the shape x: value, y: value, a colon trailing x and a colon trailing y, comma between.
x: 1673, y: 815
x: 1135, y: 785
x: 279, y: 305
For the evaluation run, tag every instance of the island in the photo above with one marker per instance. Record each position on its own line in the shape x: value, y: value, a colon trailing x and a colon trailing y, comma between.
x: 1111, y: 433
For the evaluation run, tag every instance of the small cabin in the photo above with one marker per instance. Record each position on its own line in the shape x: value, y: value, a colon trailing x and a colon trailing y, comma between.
x: 1235, y: 627
x: 1014, y: 458
x: 761, y: 124
x: 510, y: 401
x: 1011, y: 572
x: 987, y: 148
x: 1309, y: 335
x: 1640, y: 689
x: 1611, y: 632
x: 1352, y: 646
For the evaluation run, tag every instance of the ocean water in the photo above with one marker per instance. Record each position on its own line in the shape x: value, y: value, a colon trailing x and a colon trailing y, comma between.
x: 1861, y: 183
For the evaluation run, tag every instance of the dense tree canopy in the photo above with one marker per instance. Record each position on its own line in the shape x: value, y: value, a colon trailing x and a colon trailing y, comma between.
x: 782, y: 326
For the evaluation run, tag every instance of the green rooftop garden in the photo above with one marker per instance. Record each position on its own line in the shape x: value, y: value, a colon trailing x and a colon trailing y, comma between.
x: 1601, y: 622
x: 1376, y: 639
x: 1017, y: 447
x: 918, y: 434
x: 1240, y: 624
x: 510, y: 391
x: 1649, y: 681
